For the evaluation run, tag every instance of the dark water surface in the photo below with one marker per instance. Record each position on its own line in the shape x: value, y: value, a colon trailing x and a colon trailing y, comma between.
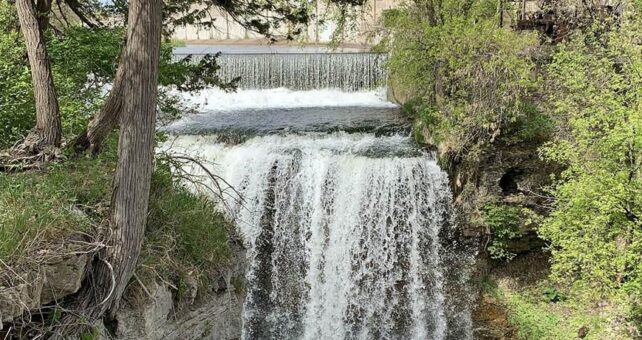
x: 309, y: 119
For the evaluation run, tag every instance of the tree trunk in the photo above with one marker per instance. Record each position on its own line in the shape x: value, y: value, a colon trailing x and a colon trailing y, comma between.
x: 130, y: 193
x: 107, y: 118
x: 43, y: 7
x: 48, y: 129
x: 115, y: 266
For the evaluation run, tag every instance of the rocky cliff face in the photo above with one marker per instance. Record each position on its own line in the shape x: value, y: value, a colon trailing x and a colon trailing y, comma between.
x: 40, y: 283
x: 211, y: 311
x: 160, y: 310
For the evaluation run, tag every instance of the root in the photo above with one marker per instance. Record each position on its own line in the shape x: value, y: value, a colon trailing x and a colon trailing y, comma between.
x: 81, y: 143
x: 113, y: 283
x: 44, y: 322
x: 19, y: 158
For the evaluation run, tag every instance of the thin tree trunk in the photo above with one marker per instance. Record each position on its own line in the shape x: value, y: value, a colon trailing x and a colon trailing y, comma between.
x: 48, y: 129
x: 115, y: 266
x: 107, y: 118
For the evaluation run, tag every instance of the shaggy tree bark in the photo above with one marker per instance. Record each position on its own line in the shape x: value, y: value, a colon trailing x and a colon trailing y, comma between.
x: 130, y: 193
x: 115, y: 265
x: 107, y: 118
x: 48, y: 129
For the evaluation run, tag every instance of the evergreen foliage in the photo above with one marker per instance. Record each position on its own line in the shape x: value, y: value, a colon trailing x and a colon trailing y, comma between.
x: 83, y: 63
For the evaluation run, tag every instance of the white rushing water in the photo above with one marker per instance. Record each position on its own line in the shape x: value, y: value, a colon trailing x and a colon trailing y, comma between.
x: 212, y: 100
x: 303, y: 71
x: 349, y: 236
x: 345, y: 234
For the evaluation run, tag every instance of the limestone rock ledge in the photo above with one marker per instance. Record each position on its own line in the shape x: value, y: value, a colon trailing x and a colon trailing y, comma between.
x: 213, y: 311
x: 41, y: 284
x: 216, y: 316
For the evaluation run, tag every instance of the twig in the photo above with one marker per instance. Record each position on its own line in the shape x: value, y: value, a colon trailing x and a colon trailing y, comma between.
x: 14, y: 273
x: 144, y: 288
x: 113, y: 282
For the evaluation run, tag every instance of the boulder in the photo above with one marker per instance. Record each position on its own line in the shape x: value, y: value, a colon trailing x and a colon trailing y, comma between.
x: 44, y: 283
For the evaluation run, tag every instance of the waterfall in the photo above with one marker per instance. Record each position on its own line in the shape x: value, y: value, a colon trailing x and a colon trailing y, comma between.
x: 348, y: 226
x: 304, y: 71
x: 345, y: 234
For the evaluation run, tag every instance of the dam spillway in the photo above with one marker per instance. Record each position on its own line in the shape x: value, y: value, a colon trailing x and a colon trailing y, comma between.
x: 351, y: 71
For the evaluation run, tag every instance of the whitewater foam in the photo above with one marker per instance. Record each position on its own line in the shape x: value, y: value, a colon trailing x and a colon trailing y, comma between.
x: 212, y: 100
x: 344, y: 236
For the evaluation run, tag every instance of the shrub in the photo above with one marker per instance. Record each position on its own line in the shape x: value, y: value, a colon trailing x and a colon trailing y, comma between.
x: 595, y: 226
x: 503, y: 222
x: 470, y: 79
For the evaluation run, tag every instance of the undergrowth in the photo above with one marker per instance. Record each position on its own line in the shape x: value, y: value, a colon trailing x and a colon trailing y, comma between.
x: 185, y: 233
x: 538, y: 309
x: 47, y: 206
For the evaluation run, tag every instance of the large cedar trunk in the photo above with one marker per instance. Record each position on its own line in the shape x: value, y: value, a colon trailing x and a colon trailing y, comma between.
x: 107, y: 118
x: 48, y: 128
x: 115, y: 266
x: 130, y: 193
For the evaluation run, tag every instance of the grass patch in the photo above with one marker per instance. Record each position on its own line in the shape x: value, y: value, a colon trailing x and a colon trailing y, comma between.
x: 538, y: 311
x: 530, y: 306
x: 185, y: 233
x: 50, y: 205
x: 536, y: 318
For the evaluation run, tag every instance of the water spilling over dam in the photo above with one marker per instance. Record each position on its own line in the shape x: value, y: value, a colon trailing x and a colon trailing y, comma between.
x: 303, y: 71
x: 348, y: 226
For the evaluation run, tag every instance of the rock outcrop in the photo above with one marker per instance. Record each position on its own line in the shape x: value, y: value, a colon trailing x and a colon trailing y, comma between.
x: 214, y: 312
x: 158, y: 311
x: 43, y: 283
x: 215, y: 316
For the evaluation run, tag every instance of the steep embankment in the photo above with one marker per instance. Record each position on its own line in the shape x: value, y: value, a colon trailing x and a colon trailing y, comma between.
x: 539, y: 132
x: 191, y: 268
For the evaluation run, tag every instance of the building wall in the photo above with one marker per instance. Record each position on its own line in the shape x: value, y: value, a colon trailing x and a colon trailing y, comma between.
x: 227, y: 30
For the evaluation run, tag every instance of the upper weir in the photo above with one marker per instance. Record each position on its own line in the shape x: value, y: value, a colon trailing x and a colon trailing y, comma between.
x: 295, y: 68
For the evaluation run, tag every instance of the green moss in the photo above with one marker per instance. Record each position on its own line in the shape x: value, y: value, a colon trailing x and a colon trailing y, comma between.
x: 91, y: 334
x: 487, y: 285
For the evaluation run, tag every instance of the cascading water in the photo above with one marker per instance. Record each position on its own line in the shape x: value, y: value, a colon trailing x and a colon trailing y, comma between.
x: 349, y: 235
x: 304, y: 71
